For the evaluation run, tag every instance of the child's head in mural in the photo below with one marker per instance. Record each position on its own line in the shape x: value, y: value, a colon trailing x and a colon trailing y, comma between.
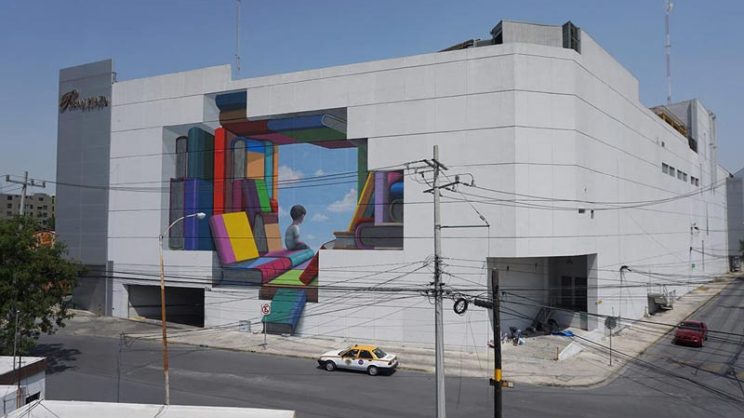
x: 292, y: 235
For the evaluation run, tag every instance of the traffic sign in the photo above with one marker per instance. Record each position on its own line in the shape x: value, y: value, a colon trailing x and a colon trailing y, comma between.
x: 265, y: 309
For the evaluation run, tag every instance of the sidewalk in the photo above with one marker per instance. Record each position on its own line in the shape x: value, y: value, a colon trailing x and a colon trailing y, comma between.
x: 581, y: 362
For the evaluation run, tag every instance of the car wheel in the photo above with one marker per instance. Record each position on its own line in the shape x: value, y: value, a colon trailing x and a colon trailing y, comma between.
x: 330, y: 366
x: 373, y: 371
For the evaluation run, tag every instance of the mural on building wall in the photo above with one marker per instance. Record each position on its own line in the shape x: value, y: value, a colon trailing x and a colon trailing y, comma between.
x: 237, y: 177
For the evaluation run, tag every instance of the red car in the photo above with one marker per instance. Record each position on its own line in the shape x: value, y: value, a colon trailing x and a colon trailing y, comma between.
x: 691, y: 332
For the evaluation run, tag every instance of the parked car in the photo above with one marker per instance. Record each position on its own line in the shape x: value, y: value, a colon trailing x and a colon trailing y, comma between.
x: 691, y: 332
x: 367, y: 358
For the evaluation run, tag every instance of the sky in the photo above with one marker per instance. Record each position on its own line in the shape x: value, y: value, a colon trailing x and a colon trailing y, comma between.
x: 328, y: 211
x: 147, y: 38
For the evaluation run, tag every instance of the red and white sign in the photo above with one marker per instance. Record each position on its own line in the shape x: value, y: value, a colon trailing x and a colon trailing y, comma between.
x: 265, y: 309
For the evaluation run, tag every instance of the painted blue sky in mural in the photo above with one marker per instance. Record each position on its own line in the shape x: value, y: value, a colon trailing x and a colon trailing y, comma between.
x: 324, y: 182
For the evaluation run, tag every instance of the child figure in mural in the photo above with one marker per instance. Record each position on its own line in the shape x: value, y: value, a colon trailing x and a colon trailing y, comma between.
x: 292, y: 235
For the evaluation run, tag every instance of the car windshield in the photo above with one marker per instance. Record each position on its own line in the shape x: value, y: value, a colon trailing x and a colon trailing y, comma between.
x: 690, y: 325
x: 379, y: 353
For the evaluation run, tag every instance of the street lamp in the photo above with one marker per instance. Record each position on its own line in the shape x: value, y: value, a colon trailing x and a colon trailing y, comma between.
x: 198, y: 215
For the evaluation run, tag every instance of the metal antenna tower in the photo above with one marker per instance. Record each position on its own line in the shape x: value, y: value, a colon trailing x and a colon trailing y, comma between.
x: 237, y: 37
x: 668, y: 52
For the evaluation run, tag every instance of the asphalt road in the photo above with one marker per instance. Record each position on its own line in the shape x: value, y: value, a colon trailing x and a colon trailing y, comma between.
x: 667, y: 380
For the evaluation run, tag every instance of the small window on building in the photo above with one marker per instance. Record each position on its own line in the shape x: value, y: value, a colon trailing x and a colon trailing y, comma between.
x: 664, y: 168
x: 684, y: 177
x: 672, y: 172
x: 10, y: 206
x: 10, y: 197
x: 9, y: 213
x: 679, y: 174
x: 41, y: 199
x: 33, y: 397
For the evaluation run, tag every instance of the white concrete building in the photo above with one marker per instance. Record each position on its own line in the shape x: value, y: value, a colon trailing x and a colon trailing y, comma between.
x: 574, y: 176
x: 21, y: 385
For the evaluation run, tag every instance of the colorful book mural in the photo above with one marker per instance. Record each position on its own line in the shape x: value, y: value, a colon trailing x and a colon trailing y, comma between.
x: 232, y: 175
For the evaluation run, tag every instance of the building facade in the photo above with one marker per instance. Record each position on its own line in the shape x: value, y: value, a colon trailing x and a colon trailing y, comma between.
x: 40, y: 206
x: 579, y: 198
x: 735, y: 201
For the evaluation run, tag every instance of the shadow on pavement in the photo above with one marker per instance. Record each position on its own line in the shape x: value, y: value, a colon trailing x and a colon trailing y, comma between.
x: 57, y: 356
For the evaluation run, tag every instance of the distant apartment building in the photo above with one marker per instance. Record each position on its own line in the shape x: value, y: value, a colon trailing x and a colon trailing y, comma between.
x: 38, y: 205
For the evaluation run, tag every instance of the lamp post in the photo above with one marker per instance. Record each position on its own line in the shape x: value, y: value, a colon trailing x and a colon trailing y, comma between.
x: 198, y: 215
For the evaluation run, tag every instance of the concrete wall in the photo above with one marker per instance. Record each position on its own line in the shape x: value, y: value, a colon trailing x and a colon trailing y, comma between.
x: 531, y: 33
x: 35, y: 384
x: 83, y: 144
x: 141, y: 110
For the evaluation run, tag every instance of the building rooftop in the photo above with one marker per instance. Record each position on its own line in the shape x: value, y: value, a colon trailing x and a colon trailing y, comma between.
x: 6, y: 363
x: 75, y: 409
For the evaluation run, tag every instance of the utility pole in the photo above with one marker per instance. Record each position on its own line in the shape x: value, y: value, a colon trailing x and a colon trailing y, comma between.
x: 19, y: 394
x: 438, y: 318
x: 496, y: 306
x: 118, y: 368
x: 25, y: 183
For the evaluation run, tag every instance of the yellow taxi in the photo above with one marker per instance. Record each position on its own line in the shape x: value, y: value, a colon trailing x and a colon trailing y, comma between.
x: 367, y: 358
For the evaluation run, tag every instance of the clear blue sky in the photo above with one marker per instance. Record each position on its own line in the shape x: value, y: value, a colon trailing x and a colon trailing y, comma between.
x: 147, y: 38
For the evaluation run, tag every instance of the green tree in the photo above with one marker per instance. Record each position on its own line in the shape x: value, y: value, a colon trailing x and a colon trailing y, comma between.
x: 34, y: 280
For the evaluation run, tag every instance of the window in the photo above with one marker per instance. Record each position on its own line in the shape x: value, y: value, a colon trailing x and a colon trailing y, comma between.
x: 10, y: 197
x: 32, y: 398
x: 365, y: 355
x: 684, y: 177
x: 9, y: 213
x: 379, y: 353
x: 664, y: 168
x: 41, y: 199
x: 671, y: 171
x: 350, y: 353
x: 10, y: 206
x: 572, y: 293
